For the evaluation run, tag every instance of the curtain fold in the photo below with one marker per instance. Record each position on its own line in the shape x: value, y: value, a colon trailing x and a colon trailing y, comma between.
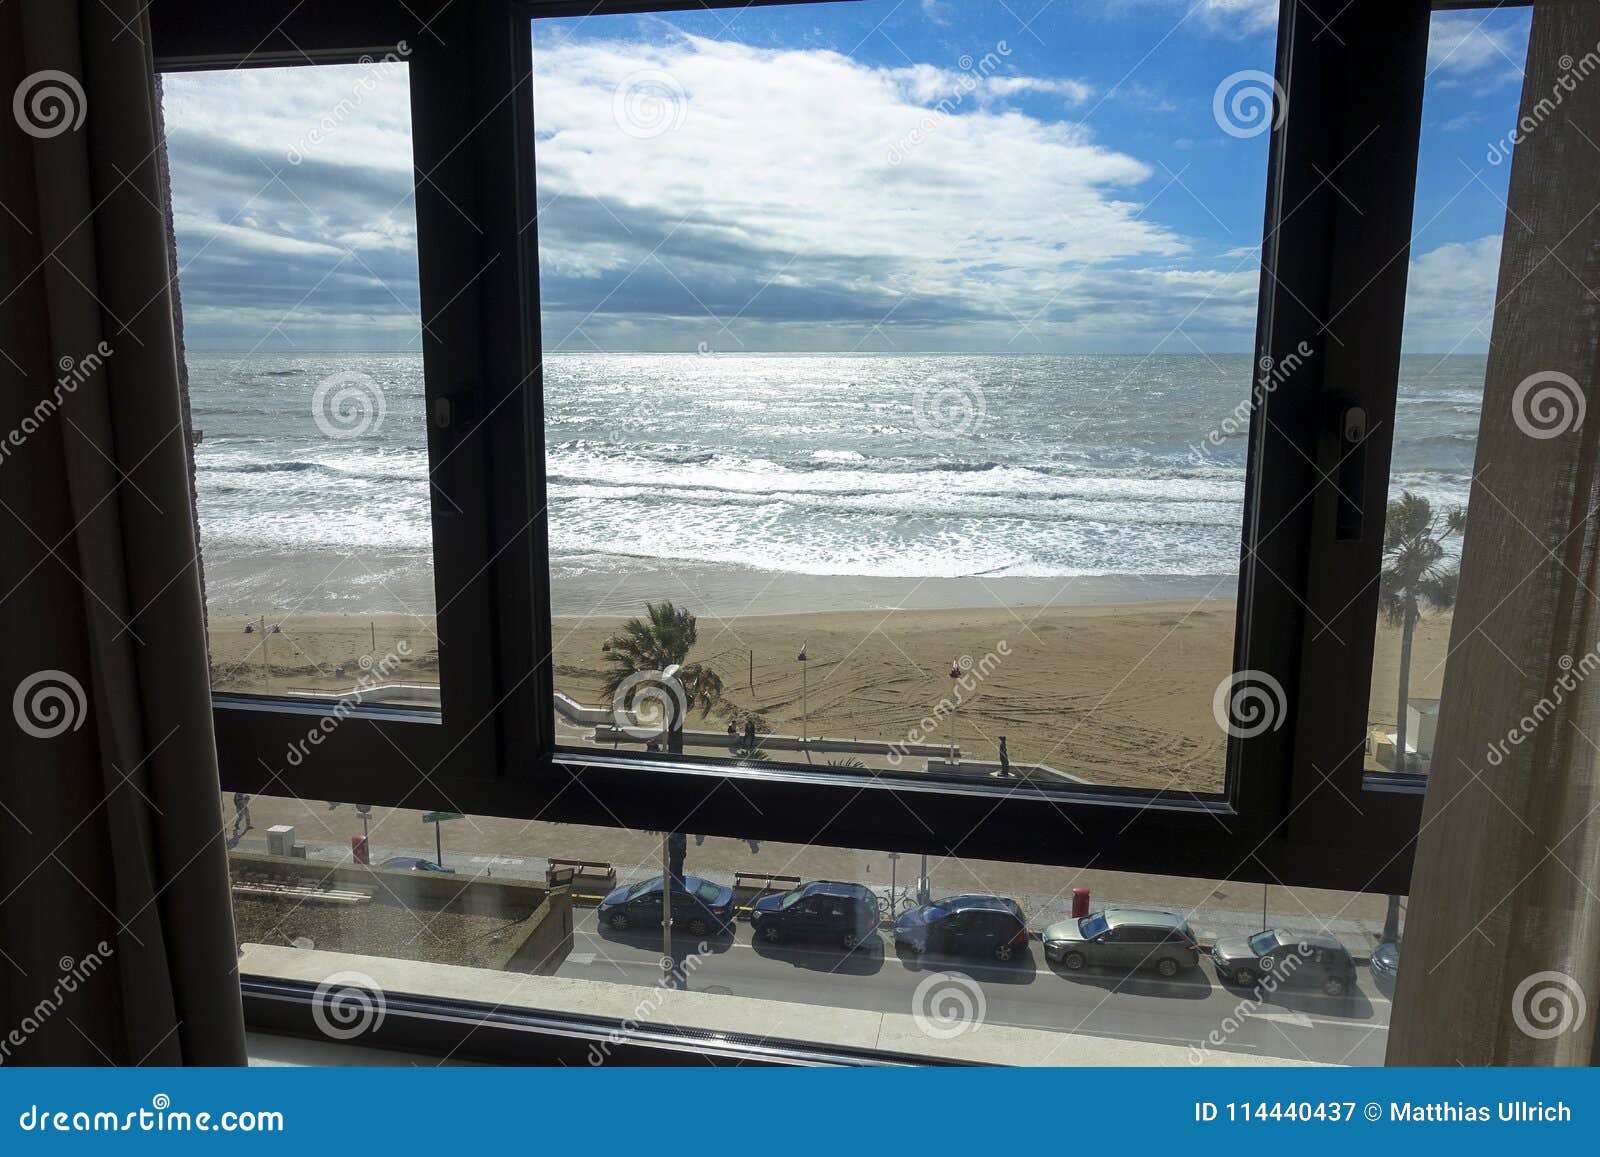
x: 1501, y: 959
x: 115, y: 919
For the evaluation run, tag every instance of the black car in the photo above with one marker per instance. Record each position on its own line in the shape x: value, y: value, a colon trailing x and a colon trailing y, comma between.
x: 1300, y: 959
x: 824, y: 911
x: 699, y: 906
x: 1385, y: 965
x: 988, y: 926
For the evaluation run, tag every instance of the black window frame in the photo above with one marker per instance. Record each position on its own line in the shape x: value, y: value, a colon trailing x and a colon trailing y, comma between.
x: 1298, y: 808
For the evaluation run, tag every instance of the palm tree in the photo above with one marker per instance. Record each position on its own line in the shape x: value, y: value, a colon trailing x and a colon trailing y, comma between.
x: 653, y: 646
x: 1416, y: 574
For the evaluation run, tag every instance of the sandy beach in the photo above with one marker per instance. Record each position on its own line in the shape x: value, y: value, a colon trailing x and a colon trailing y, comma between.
x: 1116, y: 693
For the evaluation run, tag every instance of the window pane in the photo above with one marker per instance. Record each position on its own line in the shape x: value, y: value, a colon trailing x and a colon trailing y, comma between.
x: 909, y: 350
x: 1470, y: 114
x: 297, y: 263
x: 908, y: 981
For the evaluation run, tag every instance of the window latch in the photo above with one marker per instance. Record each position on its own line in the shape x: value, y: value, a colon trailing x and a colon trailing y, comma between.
x: 1351, y: 473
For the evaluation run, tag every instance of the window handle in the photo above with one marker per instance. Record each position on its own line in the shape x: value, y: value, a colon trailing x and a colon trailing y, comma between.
x: 1351, y: 474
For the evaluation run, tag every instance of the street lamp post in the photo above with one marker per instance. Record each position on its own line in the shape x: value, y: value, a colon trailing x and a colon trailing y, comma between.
x: 955, y: 710
x: 668, y: 966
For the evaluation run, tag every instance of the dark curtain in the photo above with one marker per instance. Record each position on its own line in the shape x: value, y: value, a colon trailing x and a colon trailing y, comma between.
x: 116, y: 933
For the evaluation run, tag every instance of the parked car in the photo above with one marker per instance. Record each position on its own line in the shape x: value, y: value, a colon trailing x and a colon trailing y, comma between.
x: 699, y: 906
x: 415, y: 864
x: 990, y: 926
x: 824, y: 910
x: 1289, y: 958
x: 1385, y: 965
x: 1126, y: 939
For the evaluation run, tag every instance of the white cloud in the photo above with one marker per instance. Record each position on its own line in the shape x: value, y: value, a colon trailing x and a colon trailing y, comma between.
x: 1450, y: 297
x: 1237, y: 18
x: 1073, y: 91
x: 913, y: 195
x: 807, y: 199
x: 1463, y: 44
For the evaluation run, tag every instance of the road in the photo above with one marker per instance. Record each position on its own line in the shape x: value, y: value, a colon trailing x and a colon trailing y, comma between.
x: 1031, y: 993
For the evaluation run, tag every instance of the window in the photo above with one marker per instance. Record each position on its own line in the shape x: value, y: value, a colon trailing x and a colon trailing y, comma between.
x: 297, y: 249
x: 688, y: 338
x: 1469, y: 129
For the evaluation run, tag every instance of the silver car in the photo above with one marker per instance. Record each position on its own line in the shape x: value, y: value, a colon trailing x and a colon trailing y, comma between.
x: 1125, y: 939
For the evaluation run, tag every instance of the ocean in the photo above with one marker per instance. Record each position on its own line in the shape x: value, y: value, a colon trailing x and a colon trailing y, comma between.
x: 761, y: 483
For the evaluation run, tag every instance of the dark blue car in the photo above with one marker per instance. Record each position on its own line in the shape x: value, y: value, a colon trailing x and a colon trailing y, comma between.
x: 414, y: 864
x: 972, y: 926
x: 825, y: 911
x: 698, y: 906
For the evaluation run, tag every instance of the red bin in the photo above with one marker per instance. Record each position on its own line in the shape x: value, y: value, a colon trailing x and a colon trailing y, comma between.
x: 1080, y: 901
x: 358, y: 850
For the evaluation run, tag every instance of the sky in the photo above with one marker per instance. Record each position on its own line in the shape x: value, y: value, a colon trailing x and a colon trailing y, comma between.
x: 1026, y: 176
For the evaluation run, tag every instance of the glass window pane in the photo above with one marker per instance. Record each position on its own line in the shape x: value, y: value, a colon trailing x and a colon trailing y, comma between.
x: 1470, y: 111
x: 297, y: 267
x: 908, y: 349
x: 924, y: 984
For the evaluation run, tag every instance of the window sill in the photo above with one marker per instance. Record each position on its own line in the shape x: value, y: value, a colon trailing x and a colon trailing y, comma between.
x: 896, y: 1035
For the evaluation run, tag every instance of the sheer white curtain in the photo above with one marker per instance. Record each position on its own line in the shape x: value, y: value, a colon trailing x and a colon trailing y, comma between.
x: 1501, y: 960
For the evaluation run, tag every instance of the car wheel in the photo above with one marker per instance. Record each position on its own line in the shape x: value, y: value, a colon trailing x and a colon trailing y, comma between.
x: 1245, y: 976
x: 850, y: 940
x: 770, y: 933
x: 1334, y: 986
x: 1167, y: 967
x: 1073, y: 962
x: 698, y: 926
x: 1005, y: 952
x: 618, y: 920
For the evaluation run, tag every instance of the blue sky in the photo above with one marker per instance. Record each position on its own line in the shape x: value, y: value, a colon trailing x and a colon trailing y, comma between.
x: 1021, y: 177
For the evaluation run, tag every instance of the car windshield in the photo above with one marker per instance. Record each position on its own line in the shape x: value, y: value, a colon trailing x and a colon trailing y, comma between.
x: 935, y: 912
x: 1263, y: 942
x: 1092, y: 926
x: 641, y: 888
x: 790, y: 899
x: 708, y: 891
